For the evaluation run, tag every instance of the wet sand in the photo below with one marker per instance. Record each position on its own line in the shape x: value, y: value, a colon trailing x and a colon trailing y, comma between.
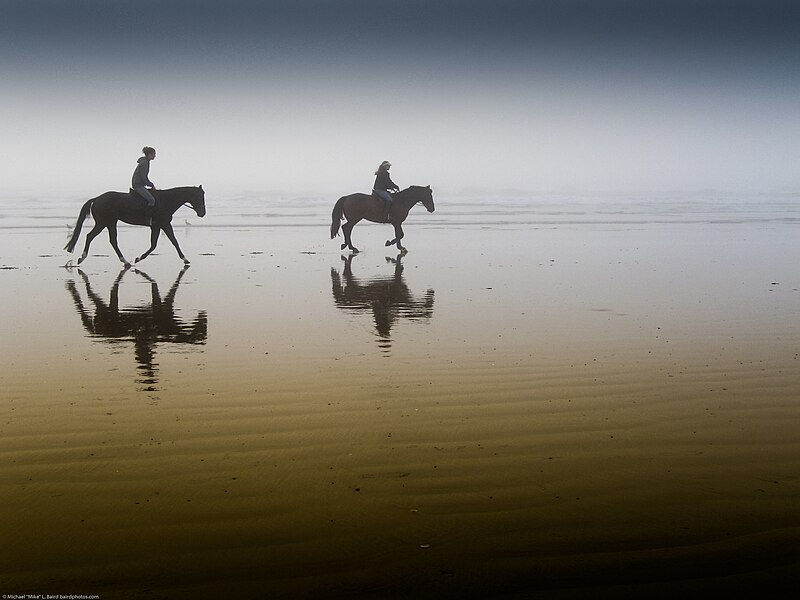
x: 541, y: 399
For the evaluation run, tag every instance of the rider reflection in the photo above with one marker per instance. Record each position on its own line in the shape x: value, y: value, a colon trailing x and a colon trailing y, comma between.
x: 387, y: 298
x: 145, y: 326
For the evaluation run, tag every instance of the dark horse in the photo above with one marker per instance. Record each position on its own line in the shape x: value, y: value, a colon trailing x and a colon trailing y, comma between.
x: 111, y: 207
x: 365, y: 206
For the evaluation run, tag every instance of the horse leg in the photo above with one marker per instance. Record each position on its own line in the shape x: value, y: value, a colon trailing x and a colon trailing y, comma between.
x: 89, y: 237
x: 347, y: 228
x: 155, y: 231
x: 398, y: 232
x: 171, y: 235
x: 112, y: 237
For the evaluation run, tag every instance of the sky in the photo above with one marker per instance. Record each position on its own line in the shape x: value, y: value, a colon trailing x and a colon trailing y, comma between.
x: 309, y: 96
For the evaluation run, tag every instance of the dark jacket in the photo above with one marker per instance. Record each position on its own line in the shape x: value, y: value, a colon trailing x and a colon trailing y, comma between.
x: 383, y: 181
x: 140, y: 175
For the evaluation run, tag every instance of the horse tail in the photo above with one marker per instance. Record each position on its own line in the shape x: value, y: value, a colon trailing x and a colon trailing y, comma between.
x: 77, y: 232
x: 336, y: 216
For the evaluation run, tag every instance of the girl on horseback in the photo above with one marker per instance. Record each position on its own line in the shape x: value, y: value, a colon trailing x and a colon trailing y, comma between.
x: 384, y: 184
x: 141, y: 183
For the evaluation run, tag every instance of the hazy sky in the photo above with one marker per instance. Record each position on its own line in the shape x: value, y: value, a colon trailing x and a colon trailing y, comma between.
x: 310, y: 95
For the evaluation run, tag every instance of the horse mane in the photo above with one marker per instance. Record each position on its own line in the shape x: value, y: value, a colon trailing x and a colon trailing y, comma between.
x: 412, y: 187
x: 180, y: 188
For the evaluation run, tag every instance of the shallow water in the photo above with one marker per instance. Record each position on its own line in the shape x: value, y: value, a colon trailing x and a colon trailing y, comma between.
x: 548, y: 395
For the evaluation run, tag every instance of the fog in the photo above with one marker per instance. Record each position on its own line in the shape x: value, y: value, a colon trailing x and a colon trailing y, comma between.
x: 309, y: 96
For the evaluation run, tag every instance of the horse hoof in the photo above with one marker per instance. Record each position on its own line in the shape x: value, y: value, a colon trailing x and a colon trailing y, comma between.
x: 137, y: 260
x: 344, y: 246
x: 388, y: 243
x: 186, y: 261
x: 403, y: 251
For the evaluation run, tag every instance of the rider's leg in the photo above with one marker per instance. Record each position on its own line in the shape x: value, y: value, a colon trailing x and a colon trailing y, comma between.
x: 151, y: 204
x: 387, y: 199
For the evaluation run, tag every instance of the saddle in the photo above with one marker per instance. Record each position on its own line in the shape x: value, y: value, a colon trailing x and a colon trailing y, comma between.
x: 134, y: 194
x: 377, y: 197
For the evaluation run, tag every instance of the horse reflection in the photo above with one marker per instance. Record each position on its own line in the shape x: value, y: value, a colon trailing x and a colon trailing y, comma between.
x: 146, y: 325
x: 387, y: 298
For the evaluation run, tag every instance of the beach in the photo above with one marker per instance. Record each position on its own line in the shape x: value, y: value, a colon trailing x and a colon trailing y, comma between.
x: 549, y: 396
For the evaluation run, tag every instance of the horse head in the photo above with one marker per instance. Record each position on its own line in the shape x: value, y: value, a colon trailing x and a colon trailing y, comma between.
x: 427, y: 198
x: 198, y: 201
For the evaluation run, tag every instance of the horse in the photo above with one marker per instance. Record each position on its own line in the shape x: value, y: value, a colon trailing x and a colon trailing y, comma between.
x: 129, y: 208
x: 366, y: 206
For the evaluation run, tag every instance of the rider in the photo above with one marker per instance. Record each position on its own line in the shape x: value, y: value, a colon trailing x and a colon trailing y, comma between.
x: 384, y: 184
x: 141, y: 183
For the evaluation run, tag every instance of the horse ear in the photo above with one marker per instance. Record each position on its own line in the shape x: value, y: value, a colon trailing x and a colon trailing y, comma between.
x: 429, y: 187
x: 201, y: 188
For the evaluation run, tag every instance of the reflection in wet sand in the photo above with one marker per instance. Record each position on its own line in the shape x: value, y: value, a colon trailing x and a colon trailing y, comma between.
x: 386, y: 297
x: 145, y: 326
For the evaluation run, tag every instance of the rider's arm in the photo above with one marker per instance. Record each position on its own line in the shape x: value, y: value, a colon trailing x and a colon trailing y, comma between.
x: 150, y: 184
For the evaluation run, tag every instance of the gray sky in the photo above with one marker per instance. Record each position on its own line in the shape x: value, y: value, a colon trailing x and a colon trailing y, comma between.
x: 310, y: 95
